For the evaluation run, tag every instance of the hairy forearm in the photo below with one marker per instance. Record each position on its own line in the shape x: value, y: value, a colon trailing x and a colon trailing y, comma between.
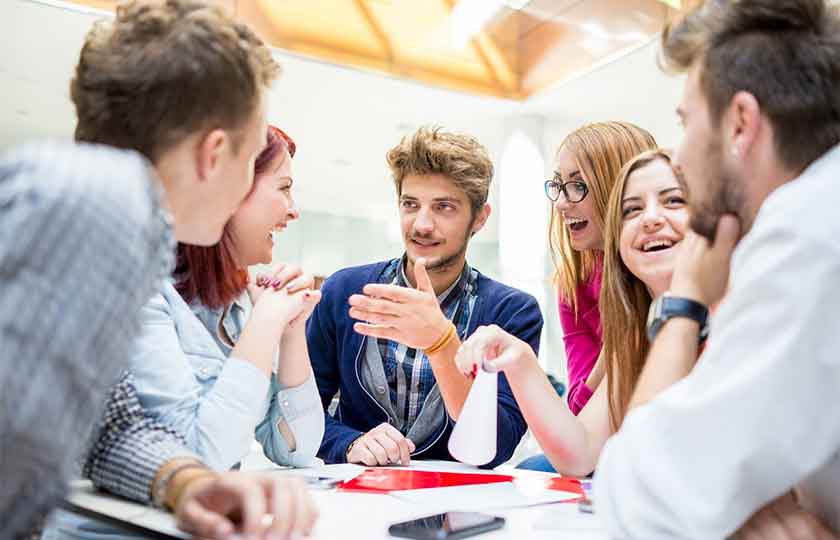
x: 294, y: 368
x: 454, y: 386
x: 672, y: 356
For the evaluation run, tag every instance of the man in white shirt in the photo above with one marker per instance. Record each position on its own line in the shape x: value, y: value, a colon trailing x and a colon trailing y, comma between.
x: 719, y: 453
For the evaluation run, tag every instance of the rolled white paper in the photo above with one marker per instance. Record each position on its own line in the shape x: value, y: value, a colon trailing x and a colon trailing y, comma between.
x: 473, y: 438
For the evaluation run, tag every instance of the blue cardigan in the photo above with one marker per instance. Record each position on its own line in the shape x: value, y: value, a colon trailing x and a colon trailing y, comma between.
x: 335, y: 351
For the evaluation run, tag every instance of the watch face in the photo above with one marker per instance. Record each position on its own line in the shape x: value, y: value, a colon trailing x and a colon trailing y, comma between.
x: 652, y: 313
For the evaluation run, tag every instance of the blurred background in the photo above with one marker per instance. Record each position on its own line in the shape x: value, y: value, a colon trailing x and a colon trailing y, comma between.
x: 360, y: 74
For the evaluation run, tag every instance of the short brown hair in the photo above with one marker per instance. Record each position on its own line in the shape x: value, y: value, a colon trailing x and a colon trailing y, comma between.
x: 430, y: 150
x: 163, y: 69
x: 785, y: 53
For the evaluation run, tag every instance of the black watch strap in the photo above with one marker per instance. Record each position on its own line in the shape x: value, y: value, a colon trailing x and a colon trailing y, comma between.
x: 667, y: 307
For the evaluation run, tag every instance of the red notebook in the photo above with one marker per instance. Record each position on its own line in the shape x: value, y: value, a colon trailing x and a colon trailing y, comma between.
x: 387, y: 480
x: 562, y: 483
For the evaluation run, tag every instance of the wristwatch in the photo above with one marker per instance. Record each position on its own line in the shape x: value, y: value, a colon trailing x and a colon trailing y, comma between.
x: 667, y: 307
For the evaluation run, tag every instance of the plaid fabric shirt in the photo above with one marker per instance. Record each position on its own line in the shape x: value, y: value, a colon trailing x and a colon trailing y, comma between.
x: 408, y: 372
x: 84, y: 242
x: 130, y: 446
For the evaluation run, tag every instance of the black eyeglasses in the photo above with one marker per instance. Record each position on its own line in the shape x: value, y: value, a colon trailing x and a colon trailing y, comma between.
x: 574, y: 191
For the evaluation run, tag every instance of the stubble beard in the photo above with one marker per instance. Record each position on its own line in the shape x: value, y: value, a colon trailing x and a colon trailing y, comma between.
x: 446, y: 262
x: 724, y: 196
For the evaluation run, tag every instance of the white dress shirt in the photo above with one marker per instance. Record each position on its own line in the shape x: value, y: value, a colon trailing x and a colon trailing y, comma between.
x: 759, y: 413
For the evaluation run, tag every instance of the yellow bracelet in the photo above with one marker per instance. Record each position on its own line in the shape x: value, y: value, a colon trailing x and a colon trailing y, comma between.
x: 173, y: 499
x: 437, y: 344
x: 444, y: 340
x: 163, y: 478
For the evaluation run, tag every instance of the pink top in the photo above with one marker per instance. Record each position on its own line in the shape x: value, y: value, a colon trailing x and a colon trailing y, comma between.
x: 582, y: 337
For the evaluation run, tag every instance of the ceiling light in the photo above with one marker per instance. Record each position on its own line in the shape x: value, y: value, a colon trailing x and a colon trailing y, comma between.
x: 516, y: 4
x: 469, y: 17
x: 595, y: 30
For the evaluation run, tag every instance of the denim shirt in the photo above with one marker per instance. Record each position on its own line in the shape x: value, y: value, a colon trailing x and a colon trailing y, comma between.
x: 185, y: 377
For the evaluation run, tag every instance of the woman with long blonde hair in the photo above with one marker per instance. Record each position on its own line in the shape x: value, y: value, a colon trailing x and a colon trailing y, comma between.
x: 587, y: 164
x: 646, y: 219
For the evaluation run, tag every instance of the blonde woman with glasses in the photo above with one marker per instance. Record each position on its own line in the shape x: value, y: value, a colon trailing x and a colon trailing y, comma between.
x: 587, y: 164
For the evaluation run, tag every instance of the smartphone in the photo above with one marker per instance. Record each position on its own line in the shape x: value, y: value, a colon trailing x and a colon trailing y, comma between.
x: 447, y: 526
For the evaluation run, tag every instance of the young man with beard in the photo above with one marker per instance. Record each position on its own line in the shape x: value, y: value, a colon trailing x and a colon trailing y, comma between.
x: 748, y: 444
x: 385, y: 335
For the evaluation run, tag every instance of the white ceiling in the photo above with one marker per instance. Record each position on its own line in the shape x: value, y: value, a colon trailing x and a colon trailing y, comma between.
x: 343, y: 120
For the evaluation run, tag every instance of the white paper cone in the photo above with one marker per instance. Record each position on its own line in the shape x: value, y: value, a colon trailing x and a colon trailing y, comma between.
x: 473, y: 439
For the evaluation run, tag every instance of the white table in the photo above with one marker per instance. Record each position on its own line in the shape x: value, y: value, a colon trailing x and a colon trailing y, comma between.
x: 348, y: 516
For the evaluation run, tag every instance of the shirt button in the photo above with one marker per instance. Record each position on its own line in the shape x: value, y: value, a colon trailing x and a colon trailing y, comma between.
x: 204, y: 371
x: 380, y: 389
x: 285, y: 403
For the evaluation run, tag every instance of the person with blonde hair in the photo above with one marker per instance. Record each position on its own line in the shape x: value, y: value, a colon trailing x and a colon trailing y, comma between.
x: 646, y: 219
x: 587, y: 164
x: 391, y: 354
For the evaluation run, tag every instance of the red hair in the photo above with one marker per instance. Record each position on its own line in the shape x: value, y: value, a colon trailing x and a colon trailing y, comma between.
x: 212, y: 274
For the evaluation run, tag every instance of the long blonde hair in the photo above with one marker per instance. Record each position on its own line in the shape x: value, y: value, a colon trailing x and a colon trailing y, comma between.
x: 625, y: 299
x: 600, y: 149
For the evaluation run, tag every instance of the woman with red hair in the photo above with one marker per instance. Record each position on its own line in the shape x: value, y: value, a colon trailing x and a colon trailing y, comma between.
x: 223, y: 360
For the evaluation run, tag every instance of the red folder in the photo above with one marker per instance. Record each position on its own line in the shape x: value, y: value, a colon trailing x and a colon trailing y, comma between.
x: 387, y: 480
x: 562, y: 483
